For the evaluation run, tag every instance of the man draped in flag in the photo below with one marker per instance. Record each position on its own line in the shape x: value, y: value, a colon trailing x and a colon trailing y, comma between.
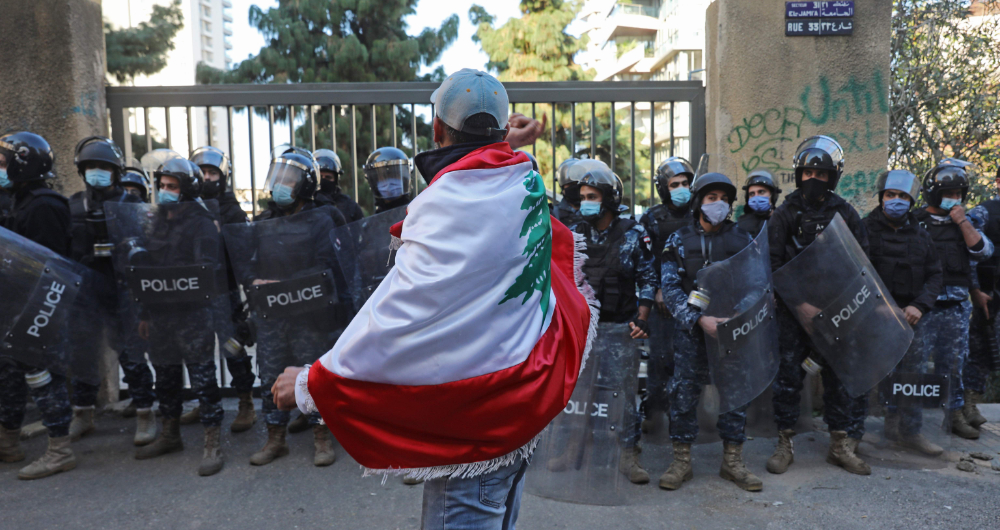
x: 473, y: 343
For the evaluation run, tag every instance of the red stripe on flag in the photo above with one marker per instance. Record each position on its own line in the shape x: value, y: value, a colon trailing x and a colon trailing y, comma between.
x: 390, y: 426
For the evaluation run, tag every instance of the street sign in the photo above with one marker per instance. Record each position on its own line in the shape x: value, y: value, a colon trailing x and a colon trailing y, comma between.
x: 843, y: 9
x: 818, y: 27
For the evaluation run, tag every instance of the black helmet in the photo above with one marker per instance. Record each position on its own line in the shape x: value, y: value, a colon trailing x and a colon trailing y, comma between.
x: 212, y: 157
x: 899, y: 180
x: 387, y: 171
x: 566, y: 179
x: 187, y: 173
x: 597, y: 174
x: 329, y: 161
x: 706, y: 183
x: 949, y: 174
x: 761, y: 177
x: 98, y: 149
x: 819, y: 152
x: 28, y: 155
x: 296, y: 169
x: 136, y: 177
x: 669, y: 169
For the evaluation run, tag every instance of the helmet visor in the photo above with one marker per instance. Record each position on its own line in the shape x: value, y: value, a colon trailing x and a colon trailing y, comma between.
x: 287, y: 173
x: 899, y: 180
x: 389, y: 179
x: 825, y: 144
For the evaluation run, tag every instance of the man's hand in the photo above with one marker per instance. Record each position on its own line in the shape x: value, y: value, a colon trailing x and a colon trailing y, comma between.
x: 957, y: 214
x: 144, y: 329
x: 912, y: 314
x: 710, y: 325
x: 283, y: 389
x: 661, y: 307
x: 808, y: 313
x: 639, y: 327
x: 981, y: 300
x: 524, y: 130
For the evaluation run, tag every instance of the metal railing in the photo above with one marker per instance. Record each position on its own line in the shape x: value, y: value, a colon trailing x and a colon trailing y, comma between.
x: 635, y: 9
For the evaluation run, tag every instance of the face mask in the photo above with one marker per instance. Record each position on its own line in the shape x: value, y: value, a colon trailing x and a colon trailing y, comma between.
x: 282, y: 196
x: 680, y: 196
x: 948, y: 204
x: 97, y: 178
x: 390, y: 189
x: 590, y: 208
x: 896, y: 208
x: 814, y: 189
x: 4, y: 181
x: 211, y: 189
x: 327, y: 186
x: 164, y: 196
x: 715, y: 212
x: 759, y: 204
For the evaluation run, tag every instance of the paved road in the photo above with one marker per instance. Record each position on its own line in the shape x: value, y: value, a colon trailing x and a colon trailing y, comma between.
x: 110, y: 489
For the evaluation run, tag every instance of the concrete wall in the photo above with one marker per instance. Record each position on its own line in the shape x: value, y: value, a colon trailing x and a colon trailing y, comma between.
x: 767, y: 92
x: 52, y: 75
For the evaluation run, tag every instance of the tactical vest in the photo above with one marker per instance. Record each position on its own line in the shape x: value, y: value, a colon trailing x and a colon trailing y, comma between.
x: 809, y: 224
x: 614, y: 286
x: 951, y: 249
x: 898, y: 257
x: 989, y: 269
x: 702, y: 249
x: 751, y: 222
x: 666, y: 224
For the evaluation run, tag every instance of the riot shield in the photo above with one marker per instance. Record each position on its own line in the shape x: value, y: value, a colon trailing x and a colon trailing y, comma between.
x: 288, y: 268
x: 579, y: 454
x: 364, y: 254
x: 169, y: 259
x: 45, y: 297
x: 743, y: 356
x: 842, y: 304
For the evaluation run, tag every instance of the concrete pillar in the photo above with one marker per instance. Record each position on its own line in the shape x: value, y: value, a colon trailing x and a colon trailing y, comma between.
x: 767, y: 92
x: 52, y: 84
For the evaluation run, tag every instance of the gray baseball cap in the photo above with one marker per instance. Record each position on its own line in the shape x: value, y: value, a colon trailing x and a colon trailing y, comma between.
x: 468, y: 92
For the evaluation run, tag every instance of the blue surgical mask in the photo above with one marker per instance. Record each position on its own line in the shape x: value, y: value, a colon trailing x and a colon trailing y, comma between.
x: 165, y: 197
x: 680, y: 196
x: 759, y: 204
x: 4, y: 181
x: 390, y: 188
x: 896, y: 208
x: 282, y: 196
x: 590, y: 208
x: 948, y: 204
x: 715, y: 212
x: 98, y: 178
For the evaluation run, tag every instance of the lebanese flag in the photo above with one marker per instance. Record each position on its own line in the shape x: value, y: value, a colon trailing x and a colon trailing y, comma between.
x: 473, y: 342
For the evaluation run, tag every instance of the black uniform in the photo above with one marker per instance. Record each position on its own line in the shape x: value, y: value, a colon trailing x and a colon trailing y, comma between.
x: 985, y: 334
x: 41, y: 215
x: 566, y: 212
x: 753, y: 222
x: 336, y: 198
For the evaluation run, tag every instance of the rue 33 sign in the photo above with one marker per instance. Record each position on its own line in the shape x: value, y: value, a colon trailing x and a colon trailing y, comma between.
x: 171, y: 285
x: 816, y: 19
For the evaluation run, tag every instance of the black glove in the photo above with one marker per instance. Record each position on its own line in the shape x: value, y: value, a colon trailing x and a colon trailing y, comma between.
x: 641, y: 324
x: 245, y: 333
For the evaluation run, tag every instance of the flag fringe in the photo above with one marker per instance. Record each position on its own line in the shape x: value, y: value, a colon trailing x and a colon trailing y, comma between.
x: 579, y: 258
x: 473, y: 469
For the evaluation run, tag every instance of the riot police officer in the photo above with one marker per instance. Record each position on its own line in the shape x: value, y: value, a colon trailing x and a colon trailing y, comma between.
x: 567, y: 209
x: 818, y: 165
x: 960, y: 245
x: 215, y: 166
x: 292, y: 180
x: 673, y: 181
x: 906, y: 259
x: 387, y: 171
x: 761, y: 196
x: 101, y: 165
x: 620, y: 268
x: 41, y: 215
x: 712, y: 238
x: 135, y: 180
x: 329, y: 192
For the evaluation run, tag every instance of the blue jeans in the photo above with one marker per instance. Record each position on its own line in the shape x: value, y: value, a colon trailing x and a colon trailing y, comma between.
x: 486, y: 502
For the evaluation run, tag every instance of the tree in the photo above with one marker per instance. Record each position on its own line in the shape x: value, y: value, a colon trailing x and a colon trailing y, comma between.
x: 945, y: 93
x: 324, y: 41
x: 142, y: 50
x: 536, y: 47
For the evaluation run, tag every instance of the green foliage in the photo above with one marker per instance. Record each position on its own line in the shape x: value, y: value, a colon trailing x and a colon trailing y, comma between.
x: 335, y: 41
x: 536, y: 47
x: 945, y: 92
x: 142, y: 50
x: 536, y: 275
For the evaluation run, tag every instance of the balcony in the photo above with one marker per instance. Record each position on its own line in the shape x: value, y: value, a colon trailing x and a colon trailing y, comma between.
x: 227, y: 4
x: 635, y: 9
x: 226, y: 17
x: 632, y: 20
x: 227, y: 31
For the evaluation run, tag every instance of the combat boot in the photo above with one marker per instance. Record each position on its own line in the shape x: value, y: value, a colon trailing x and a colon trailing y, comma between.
x: 246, y: 416
x: 323, y: 440
x: 679, y: 471
x: 734, y: 470
x: 567, y: 459
x: 920, y: 443
x: 145, y: 427
x: 891, y: 428
x: 57, y: 458
x: 276, y: 447
x: 130, y: 411
x: 970, y: 411
x: 212, y: 459
x: 169, y: 441
x: 784, y: 453
x: 961, y: 427
x: 299, y: 424
x: 10, y: 445
x: 841, y: 454
x: 629, y: 466
x: 192, y: 416
x: 83, y: 422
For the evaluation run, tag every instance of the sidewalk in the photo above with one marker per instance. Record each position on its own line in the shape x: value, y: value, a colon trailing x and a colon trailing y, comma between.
x: 110, y: 489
